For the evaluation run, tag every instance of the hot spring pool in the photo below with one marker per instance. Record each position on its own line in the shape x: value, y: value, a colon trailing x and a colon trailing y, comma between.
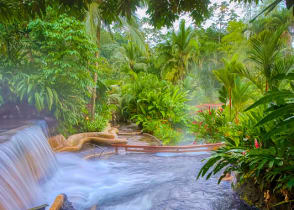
x: 138, y: 182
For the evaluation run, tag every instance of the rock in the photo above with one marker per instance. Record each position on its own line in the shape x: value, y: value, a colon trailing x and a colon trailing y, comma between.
x: 62, y: 203
x: 249, y: 192
x: 57, y: 142
x: 67, y: 205
x: 43, y: 207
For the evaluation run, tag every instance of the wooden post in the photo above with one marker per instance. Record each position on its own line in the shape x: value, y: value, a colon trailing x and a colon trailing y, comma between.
x: 116, y: 150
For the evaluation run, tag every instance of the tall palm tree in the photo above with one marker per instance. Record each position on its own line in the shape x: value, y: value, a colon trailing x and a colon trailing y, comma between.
x: 265, y: 49
x: 283, y: 17
x: 241, y: 95
x: 227, y: 76
x: 93, y: 26
x: 131, y: 59
x: 280, y: 67
x: 177, y: 53
x: 273, y: 23
x: 94, y: 21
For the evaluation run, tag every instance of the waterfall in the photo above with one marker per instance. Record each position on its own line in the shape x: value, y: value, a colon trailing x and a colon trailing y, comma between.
x: 26, y: 160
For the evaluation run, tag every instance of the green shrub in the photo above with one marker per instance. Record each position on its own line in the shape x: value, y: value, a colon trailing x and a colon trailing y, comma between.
x: 102, y: 116
x: 96, y: 125
x: 208, y: 125
x: 163, y: 131
x: 148, y: 99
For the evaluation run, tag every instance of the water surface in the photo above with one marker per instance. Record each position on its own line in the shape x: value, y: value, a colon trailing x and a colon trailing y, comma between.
x: 139, y: 181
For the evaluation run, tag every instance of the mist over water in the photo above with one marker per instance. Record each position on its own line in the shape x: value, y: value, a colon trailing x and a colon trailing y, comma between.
x: 31, y: 175
x: 139, y: 181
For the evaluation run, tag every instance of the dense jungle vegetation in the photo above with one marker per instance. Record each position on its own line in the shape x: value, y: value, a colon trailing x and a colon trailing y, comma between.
x: 87, y: 63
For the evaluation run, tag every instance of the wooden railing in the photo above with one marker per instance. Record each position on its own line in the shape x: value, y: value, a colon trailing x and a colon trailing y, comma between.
x: 168, y: 149
x: 207, y: 106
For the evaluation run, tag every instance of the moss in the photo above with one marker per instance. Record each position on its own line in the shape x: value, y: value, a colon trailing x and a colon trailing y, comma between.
x: 250, y: 194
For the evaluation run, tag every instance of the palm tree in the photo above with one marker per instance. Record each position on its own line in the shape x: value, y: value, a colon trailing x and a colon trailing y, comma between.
x: 93, y: 26
x: 178, y: 52
x: 227, y: 76
x: 280, y: 67
x: 134, y: 56
x: 273, y: 23
x: 256, y: 27
x: 265, y: 50
x: 94, y: 21
x: 283, y: 17
x: 131, y: 59
x: 240, y: 96
x: 131, y: 55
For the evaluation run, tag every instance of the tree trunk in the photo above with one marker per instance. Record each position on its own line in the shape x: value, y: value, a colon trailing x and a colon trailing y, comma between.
x: 266, y: 85
x: 237, y: 117
x: 219, y: 34
x: 230, y: 102
x: 94, y: 93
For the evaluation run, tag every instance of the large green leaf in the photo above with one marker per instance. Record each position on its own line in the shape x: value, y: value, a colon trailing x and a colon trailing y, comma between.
x: 287, y: 109
x: 281, y: 127
x: 272, y: 96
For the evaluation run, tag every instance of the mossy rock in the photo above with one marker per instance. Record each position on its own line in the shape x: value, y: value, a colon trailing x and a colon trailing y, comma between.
x: 250, y: 193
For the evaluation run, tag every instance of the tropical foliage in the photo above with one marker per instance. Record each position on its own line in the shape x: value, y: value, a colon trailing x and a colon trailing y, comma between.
x: 177, y: 53
x: 53, y: 54
x: 86, y: 63
x: 258, y: 137
x: 152, y: 103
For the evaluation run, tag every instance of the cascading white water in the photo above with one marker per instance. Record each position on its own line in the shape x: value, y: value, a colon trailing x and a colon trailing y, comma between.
x: 26, y: 160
